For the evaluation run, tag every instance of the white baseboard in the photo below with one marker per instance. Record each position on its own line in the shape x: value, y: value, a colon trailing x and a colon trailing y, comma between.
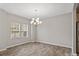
x: 55, y: 44
x: 3, y: 49
x: 18, y: 44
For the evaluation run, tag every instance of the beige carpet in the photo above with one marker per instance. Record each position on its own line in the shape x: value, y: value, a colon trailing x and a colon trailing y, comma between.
x: 36, y: 49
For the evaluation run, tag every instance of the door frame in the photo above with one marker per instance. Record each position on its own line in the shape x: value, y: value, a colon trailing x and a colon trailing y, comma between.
x: 77, y: 37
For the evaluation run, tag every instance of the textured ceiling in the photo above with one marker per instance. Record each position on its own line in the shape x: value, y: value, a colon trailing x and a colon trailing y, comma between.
x: 41, y: 10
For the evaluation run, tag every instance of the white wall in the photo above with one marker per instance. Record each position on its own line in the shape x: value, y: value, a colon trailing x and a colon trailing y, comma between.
x: 5, y: 21
x: 4, y: 29
x: 17, y: 19
x: 56, y: 30
x: 34, y: 33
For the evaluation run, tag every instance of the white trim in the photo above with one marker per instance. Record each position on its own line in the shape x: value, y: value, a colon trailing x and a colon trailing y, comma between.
x: 3, y: 49
x: 20, y: 44
x: 17, y: 44
x: 55, y: 44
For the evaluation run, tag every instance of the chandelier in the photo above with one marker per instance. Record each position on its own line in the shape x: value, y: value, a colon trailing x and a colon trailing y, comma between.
x: 35, y: 21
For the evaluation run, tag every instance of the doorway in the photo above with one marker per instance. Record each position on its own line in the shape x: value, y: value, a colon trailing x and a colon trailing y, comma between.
x: 77, y: 29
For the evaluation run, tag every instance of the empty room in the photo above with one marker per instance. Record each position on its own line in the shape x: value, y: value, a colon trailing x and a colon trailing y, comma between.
x: 37, y: 29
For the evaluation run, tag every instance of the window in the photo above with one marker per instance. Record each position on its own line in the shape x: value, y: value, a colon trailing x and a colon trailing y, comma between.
x: 19, y: 30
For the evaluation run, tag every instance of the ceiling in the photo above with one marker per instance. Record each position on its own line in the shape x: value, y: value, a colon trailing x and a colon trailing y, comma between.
x: 41, y: 10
